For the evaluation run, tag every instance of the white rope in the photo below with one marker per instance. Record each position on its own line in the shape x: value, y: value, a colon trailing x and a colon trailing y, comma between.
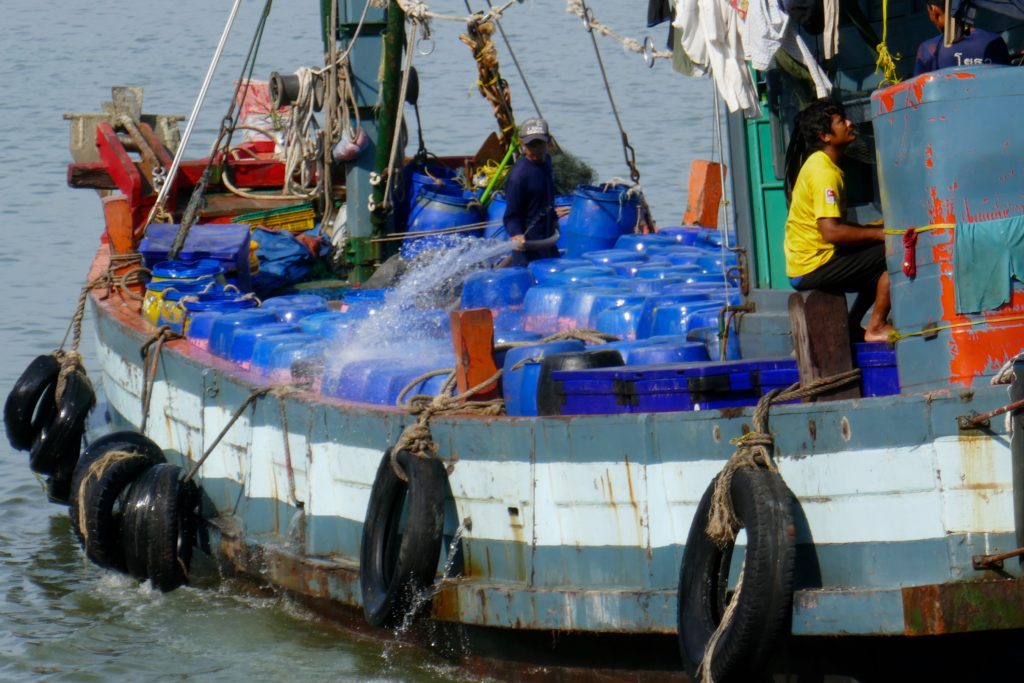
x: 418, y: 10
x: 299, y: 146
x: 629, y: 44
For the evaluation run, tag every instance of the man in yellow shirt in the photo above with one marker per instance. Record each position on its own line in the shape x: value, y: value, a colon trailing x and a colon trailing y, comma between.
x: 823, y: 249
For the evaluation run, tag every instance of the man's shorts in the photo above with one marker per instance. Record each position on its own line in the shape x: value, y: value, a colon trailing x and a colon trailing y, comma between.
x: 851, y: 269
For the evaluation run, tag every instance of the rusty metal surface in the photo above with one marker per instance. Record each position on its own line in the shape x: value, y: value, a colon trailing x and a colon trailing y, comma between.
x: 963, y: 607
x: 994, y: 561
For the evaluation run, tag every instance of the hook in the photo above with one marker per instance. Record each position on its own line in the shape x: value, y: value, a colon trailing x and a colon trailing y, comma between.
x: 588, y: 19
x: 648, y: 52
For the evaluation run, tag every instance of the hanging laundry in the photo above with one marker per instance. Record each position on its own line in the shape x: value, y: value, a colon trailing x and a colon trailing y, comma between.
x: 830, y: 33
x: 658, y: 12
x: 712, y: 41
x: 768, y: 28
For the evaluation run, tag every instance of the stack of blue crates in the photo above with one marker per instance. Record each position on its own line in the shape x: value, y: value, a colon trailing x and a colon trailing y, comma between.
x: 671, y: 387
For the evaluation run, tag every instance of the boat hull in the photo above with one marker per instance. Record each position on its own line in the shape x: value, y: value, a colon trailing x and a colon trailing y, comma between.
x: 577, y: 524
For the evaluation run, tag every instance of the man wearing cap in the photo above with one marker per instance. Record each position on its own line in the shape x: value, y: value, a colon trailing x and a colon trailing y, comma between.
x: 972, y: 46
x: 530, y: 194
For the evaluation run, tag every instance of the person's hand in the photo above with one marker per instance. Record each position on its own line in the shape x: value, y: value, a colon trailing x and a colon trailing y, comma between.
x: 562, y: 211
x: 519, y: 242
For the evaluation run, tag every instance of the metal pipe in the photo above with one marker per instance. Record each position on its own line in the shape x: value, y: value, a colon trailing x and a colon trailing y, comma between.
x: 166, y: 187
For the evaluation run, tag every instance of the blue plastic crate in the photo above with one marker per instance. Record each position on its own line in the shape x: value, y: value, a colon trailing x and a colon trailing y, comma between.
x: 227, y: 243
x: 672, y: 387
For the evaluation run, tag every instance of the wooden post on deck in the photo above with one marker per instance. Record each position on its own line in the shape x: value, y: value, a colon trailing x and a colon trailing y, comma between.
x: 473, y: 338
x: 821, y: 337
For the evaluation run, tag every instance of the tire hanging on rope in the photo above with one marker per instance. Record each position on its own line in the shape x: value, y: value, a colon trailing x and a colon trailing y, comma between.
x: 401, y: 542
x: 757, y: 613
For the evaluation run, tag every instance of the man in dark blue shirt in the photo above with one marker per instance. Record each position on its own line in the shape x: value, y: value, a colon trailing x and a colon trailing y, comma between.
x: 530, y: 194
x: 976, y: 46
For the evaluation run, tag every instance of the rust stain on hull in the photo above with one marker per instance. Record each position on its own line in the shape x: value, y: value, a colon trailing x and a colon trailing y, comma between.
x: 962, y: 607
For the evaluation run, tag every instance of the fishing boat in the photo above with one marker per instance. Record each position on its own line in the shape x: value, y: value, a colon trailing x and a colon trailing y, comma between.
x: 550, y: 499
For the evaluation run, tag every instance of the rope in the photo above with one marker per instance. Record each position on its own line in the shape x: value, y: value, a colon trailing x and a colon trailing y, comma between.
x: 418, y: 10
x: 490, y: 83
x: 417, y: 437
x: 754, y: 450
x: 70, y: 362
x: 163, y: 335
x: 704, y: 674
x: 280, y: 391
x: 95, y: 472
x: 896, y: 335
x: 926, y: 228
x: 886, y: 62
x: 646, y: 48
x: 283, y: 412
x: 253, y: 396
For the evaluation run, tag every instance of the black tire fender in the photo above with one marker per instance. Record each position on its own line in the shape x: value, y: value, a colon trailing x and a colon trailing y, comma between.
x: 95, y: 495
x: 395, y: 564
x: 158, y: 526
x: 763, y: 504
x: 171, y: 528
x: 59, y: 442
x: 23, y: 400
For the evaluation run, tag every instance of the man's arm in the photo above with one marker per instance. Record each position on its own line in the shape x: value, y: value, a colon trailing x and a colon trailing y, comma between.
x: 836, y: 232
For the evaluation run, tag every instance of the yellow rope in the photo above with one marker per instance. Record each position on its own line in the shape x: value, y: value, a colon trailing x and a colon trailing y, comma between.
x: 925, y: 228
x: 896, y: 335
x: 886, y: 61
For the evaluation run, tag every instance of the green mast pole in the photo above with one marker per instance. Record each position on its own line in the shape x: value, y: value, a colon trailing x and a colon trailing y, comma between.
x: 390, y: 87
x: 377, y: 101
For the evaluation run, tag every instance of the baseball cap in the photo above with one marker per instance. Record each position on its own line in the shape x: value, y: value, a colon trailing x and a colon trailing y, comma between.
x: 534, y: 129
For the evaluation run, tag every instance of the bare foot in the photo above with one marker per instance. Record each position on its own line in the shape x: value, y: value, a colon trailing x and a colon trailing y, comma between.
x: 880, y: 334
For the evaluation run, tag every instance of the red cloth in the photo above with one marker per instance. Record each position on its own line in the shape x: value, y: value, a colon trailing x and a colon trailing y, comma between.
x: 910, y: 253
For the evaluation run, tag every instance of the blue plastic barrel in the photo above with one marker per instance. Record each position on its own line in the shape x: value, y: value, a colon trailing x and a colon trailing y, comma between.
x: 543, y: 269
x: 563, y: 200
x: 657, y: 272
x: 496, y: 288
x: 294, y: 307
x: 575, y: 309
x: 629, y: 268
x: 243, y: 341
x: 660, y: 352
x: 717, y: 263
x: 439, y: 209
x: 612, y: 257
x: 264, y: 347
x: 603, y: 302
x: 673, y: 319
x: 312, y: 324
x: 619, y: 320
x: 578, y: 274
x: 709, y: 335
x: 519, y: 381
x: 598, y: 218
x: 646, y: 319
x: 223, y: 328
x: 641, y: 243
x: 284, y: 356
x: 509, y: 337
x: 495, y: 228
x: 683, y: 234
x: 510, y: 318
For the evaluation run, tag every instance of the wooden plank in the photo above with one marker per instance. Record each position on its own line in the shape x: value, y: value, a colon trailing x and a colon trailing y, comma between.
x: 821, y: 337
x: 473, y: 339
